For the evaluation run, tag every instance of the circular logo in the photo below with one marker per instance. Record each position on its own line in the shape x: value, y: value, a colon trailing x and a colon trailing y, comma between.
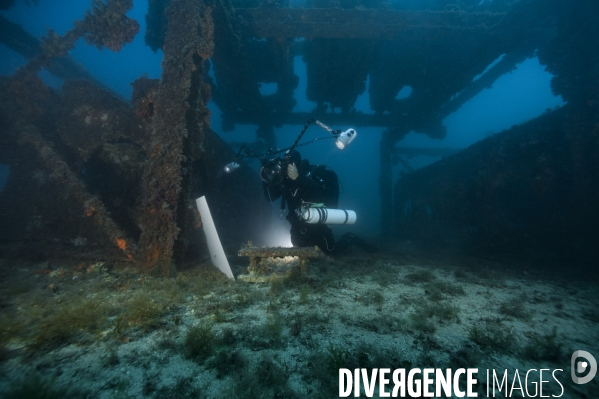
x: 589, y: 363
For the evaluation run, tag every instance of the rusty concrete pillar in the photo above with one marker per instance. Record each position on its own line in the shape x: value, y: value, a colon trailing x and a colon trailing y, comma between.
x: 386, y: 183
x: 178, y: 129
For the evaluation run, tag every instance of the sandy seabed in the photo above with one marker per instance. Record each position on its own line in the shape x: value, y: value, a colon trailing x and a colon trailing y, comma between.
x: 100, y: 330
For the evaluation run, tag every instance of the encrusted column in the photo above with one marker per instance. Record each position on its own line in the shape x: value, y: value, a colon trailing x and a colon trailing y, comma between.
x: 386, y: 183
x: 178, y: 129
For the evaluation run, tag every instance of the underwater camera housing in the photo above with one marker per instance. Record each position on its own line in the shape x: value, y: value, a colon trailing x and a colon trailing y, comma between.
x: 274, y: 171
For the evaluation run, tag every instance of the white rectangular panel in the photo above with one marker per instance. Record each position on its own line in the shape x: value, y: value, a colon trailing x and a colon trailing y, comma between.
x: 217, y: 254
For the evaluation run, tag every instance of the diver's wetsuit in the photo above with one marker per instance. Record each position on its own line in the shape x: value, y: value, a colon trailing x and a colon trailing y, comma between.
x: 309, y: 186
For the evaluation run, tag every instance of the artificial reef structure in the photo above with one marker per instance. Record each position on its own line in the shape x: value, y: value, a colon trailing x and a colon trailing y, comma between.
x: 93, y: 175
x: 530, y: 192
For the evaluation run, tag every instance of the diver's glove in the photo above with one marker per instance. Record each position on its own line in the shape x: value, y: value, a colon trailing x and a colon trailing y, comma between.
x: 292, y: 172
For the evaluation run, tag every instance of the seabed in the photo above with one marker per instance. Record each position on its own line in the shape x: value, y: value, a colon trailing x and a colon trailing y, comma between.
x: 100, y: 330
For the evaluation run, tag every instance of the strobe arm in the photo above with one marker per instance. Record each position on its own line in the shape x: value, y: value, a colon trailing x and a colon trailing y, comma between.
x: 306, y: 126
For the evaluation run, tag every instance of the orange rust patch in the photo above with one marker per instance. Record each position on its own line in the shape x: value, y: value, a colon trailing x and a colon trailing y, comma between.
x: 121, y: 243
x: 154, y: 256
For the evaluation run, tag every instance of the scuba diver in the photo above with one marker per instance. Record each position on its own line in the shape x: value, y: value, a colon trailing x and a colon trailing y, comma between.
x: 297, y: 183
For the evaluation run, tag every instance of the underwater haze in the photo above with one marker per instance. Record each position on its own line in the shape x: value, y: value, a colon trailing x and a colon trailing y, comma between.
x: 474, y: 178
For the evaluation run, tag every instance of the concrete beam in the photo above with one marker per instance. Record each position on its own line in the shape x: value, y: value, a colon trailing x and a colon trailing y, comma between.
x: 356, y: 119
x: 370, y: 23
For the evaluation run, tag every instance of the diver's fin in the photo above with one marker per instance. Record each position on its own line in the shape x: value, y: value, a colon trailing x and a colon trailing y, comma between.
x: 353, y: 239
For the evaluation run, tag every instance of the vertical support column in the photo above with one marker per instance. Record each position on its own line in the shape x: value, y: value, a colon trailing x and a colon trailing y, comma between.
x: 178, y: 128
x: 286, y: 79
x: 386, y: 184
x: 236, y: 83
